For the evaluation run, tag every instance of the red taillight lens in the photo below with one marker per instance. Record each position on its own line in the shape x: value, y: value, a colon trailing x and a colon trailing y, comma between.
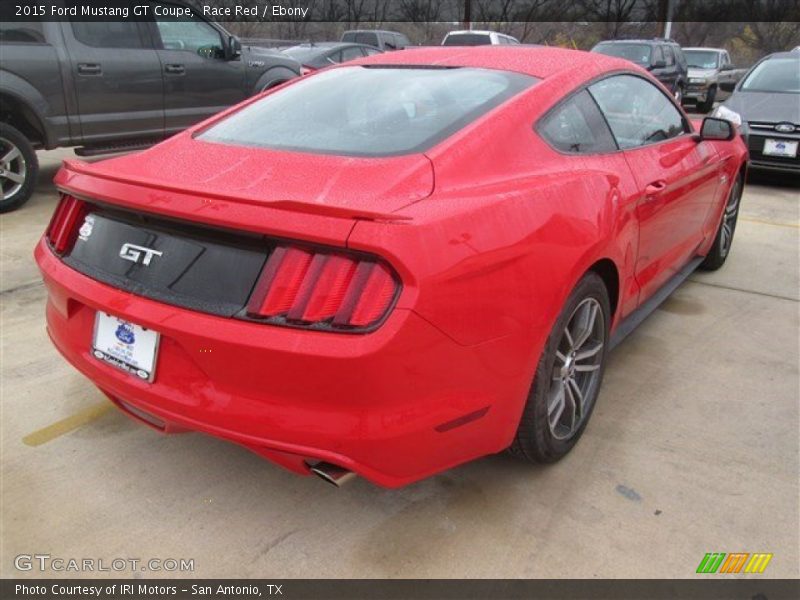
x: 63, y: 228
x: 303, y: 288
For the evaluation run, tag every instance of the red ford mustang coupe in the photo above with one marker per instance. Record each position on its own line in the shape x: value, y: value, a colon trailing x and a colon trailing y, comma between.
x: 393, y: 266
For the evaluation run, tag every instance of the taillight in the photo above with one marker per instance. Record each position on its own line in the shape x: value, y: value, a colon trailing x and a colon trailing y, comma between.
x: 305, y: 70
x: 63, y: 228
x: 305, y: 288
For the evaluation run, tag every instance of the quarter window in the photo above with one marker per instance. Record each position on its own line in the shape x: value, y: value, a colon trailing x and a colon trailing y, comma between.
x: 637, y: 111
x: 577, y: 126
x: 669, y: 56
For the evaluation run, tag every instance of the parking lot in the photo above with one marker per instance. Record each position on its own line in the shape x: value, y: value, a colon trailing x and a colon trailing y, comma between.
x: 693, y: 448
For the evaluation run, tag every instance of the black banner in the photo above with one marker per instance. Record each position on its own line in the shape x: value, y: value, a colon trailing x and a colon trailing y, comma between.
x: 417, y: 11
x: 707, y: 588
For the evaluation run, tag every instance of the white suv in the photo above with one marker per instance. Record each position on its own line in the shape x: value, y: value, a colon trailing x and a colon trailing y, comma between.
x: 475, y: 37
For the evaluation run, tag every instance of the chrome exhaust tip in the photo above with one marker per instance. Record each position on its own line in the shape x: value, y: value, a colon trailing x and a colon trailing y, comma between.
x: 333, y: 474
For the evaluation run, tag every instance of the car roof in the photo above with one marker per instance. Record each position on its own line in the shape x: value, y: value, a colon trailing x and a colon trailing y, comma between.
x: 789, y: 54
x: 705, y: 48
x: 537, y: 61
x: 329, y: 45
x: 477, y: 31
x: 638, y: 41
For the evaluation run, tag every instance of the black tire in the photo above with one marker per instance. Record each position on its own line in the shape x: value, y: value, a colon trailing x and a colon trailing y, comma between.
x: 706, y: 106
x: 723, y: 241
x: 24, y: 163
x: 536, y: 440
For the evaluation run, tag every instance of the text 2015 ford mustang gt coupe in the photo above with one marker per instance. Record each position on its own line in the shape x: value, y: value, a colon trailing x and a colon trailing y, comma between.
x: 393, y: 266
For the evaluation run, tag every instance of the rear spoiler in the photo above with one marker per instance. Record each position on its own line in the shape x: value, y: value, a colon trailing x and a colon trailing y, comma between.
x: 85, y: 168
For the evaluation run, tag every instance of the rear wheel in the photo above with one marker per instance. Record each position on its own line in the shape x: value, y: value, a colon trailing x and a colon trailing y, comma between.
x: 568, y: 377
x: 18, y: 168
x: 718, y: 254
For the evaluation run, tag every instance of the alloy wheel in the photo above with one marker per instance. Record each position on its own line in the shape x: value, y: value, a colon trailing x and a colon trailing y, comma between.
x: 576, y: 369
x: 13, y: 168
x: 729, y: 218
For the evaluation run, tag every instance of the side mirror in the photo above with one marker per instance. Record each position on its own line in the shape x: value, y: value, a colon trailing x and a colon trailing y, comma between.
x: 727, y: 86
x: 717, y: 129
x: 233, y: 48
x: 659, y: 64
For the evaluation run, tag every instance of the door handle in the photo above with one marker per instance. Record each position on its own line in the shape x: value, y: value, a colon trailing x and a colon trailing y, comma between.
x: 655, y: 188
x: 175, y: 69
x: 90, y: 69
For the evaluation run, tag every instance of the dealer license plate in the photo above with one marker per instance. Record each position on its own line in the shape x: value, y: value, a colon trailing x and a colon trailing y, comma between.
x: 783, y: 148
x: 125, y: 345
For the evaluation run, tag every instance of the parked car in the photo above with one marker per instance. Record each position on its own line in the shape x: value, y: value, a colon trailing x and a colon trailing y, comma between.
x: 663, y: 58
x: 766, y: 105
x: 288, y: 277
x: 116, y: 85
x: 473, y: 37
x: 380, y: 39
x: 709, y: 68
x: 319, y: 55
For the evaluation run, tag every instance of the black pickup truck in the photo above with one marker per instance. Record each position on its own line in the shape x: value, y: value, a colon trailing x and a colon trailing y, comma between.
x: 116, y: 86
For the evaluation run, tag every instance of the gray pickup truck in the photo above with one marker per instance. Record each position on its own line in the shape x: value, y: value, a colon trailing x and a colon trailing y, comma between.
x: 116, y: 86
x: 711, y: 76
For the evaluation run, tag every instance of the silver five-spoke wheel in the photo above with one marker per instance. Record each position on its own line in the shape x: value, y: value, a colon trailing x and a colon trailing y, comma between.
x: 576, y: 369
x: 729, y: 218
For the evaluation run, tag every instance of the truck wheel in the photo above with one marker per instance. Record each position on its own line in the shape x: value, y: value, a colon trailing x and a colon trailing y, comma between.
x: 709, y: 103
x: 18, y: 168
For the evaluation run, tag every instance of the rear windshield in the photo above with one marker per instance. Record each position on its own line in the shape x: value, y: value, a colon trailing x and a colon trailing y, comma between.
x: 638, y: 53
x: 467, y: 39
x: 775, y: 75
x: 361, y: 37
x: 304, y: 53
x: 375, y: 111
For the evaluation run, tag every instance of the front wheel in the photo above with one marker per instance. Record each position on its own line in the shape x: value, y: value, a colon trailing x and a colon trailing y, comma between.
x: 18, y: 168
x: 706, y: 106
x: 568, y: 376
x: 718, y: 254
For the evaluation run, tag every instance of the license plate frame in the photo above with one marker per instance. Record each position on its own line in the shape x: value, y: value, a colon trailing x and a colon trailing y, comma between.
x: 775, y: 147
x: 125, y: 345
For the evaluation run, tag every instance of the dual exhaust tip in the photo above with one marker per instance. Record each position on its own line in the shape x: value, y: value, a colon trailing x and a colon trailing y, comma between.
x: 333, y: 474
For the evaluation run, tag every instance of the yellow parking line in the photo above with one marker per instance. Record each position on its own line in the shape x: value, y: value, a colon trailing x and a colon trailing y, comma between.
x: 767, y: 222
x: 59, y: 428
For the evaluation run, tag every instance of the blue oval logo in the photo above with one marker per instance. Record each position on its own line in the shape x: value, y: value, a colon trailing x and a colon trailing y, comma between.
x: 124, y: 333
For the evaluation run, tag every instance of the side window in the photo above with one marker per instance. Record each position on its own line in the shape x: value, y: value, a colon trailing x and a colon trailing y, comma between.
x: 107, y: 34
x: 668, y: 56
x: 22, y: 32
x: 637, y: 111
x: 190, y: 34
x: 577, y: 126
x: 371, y: 51
x: 350, y: 53
x: 726, y: 59
x: 658, y: 54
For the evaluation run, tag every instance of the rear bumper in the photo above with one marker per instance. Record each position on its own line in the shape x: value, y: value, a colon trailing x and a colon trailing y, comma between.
x: 395, y: 405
